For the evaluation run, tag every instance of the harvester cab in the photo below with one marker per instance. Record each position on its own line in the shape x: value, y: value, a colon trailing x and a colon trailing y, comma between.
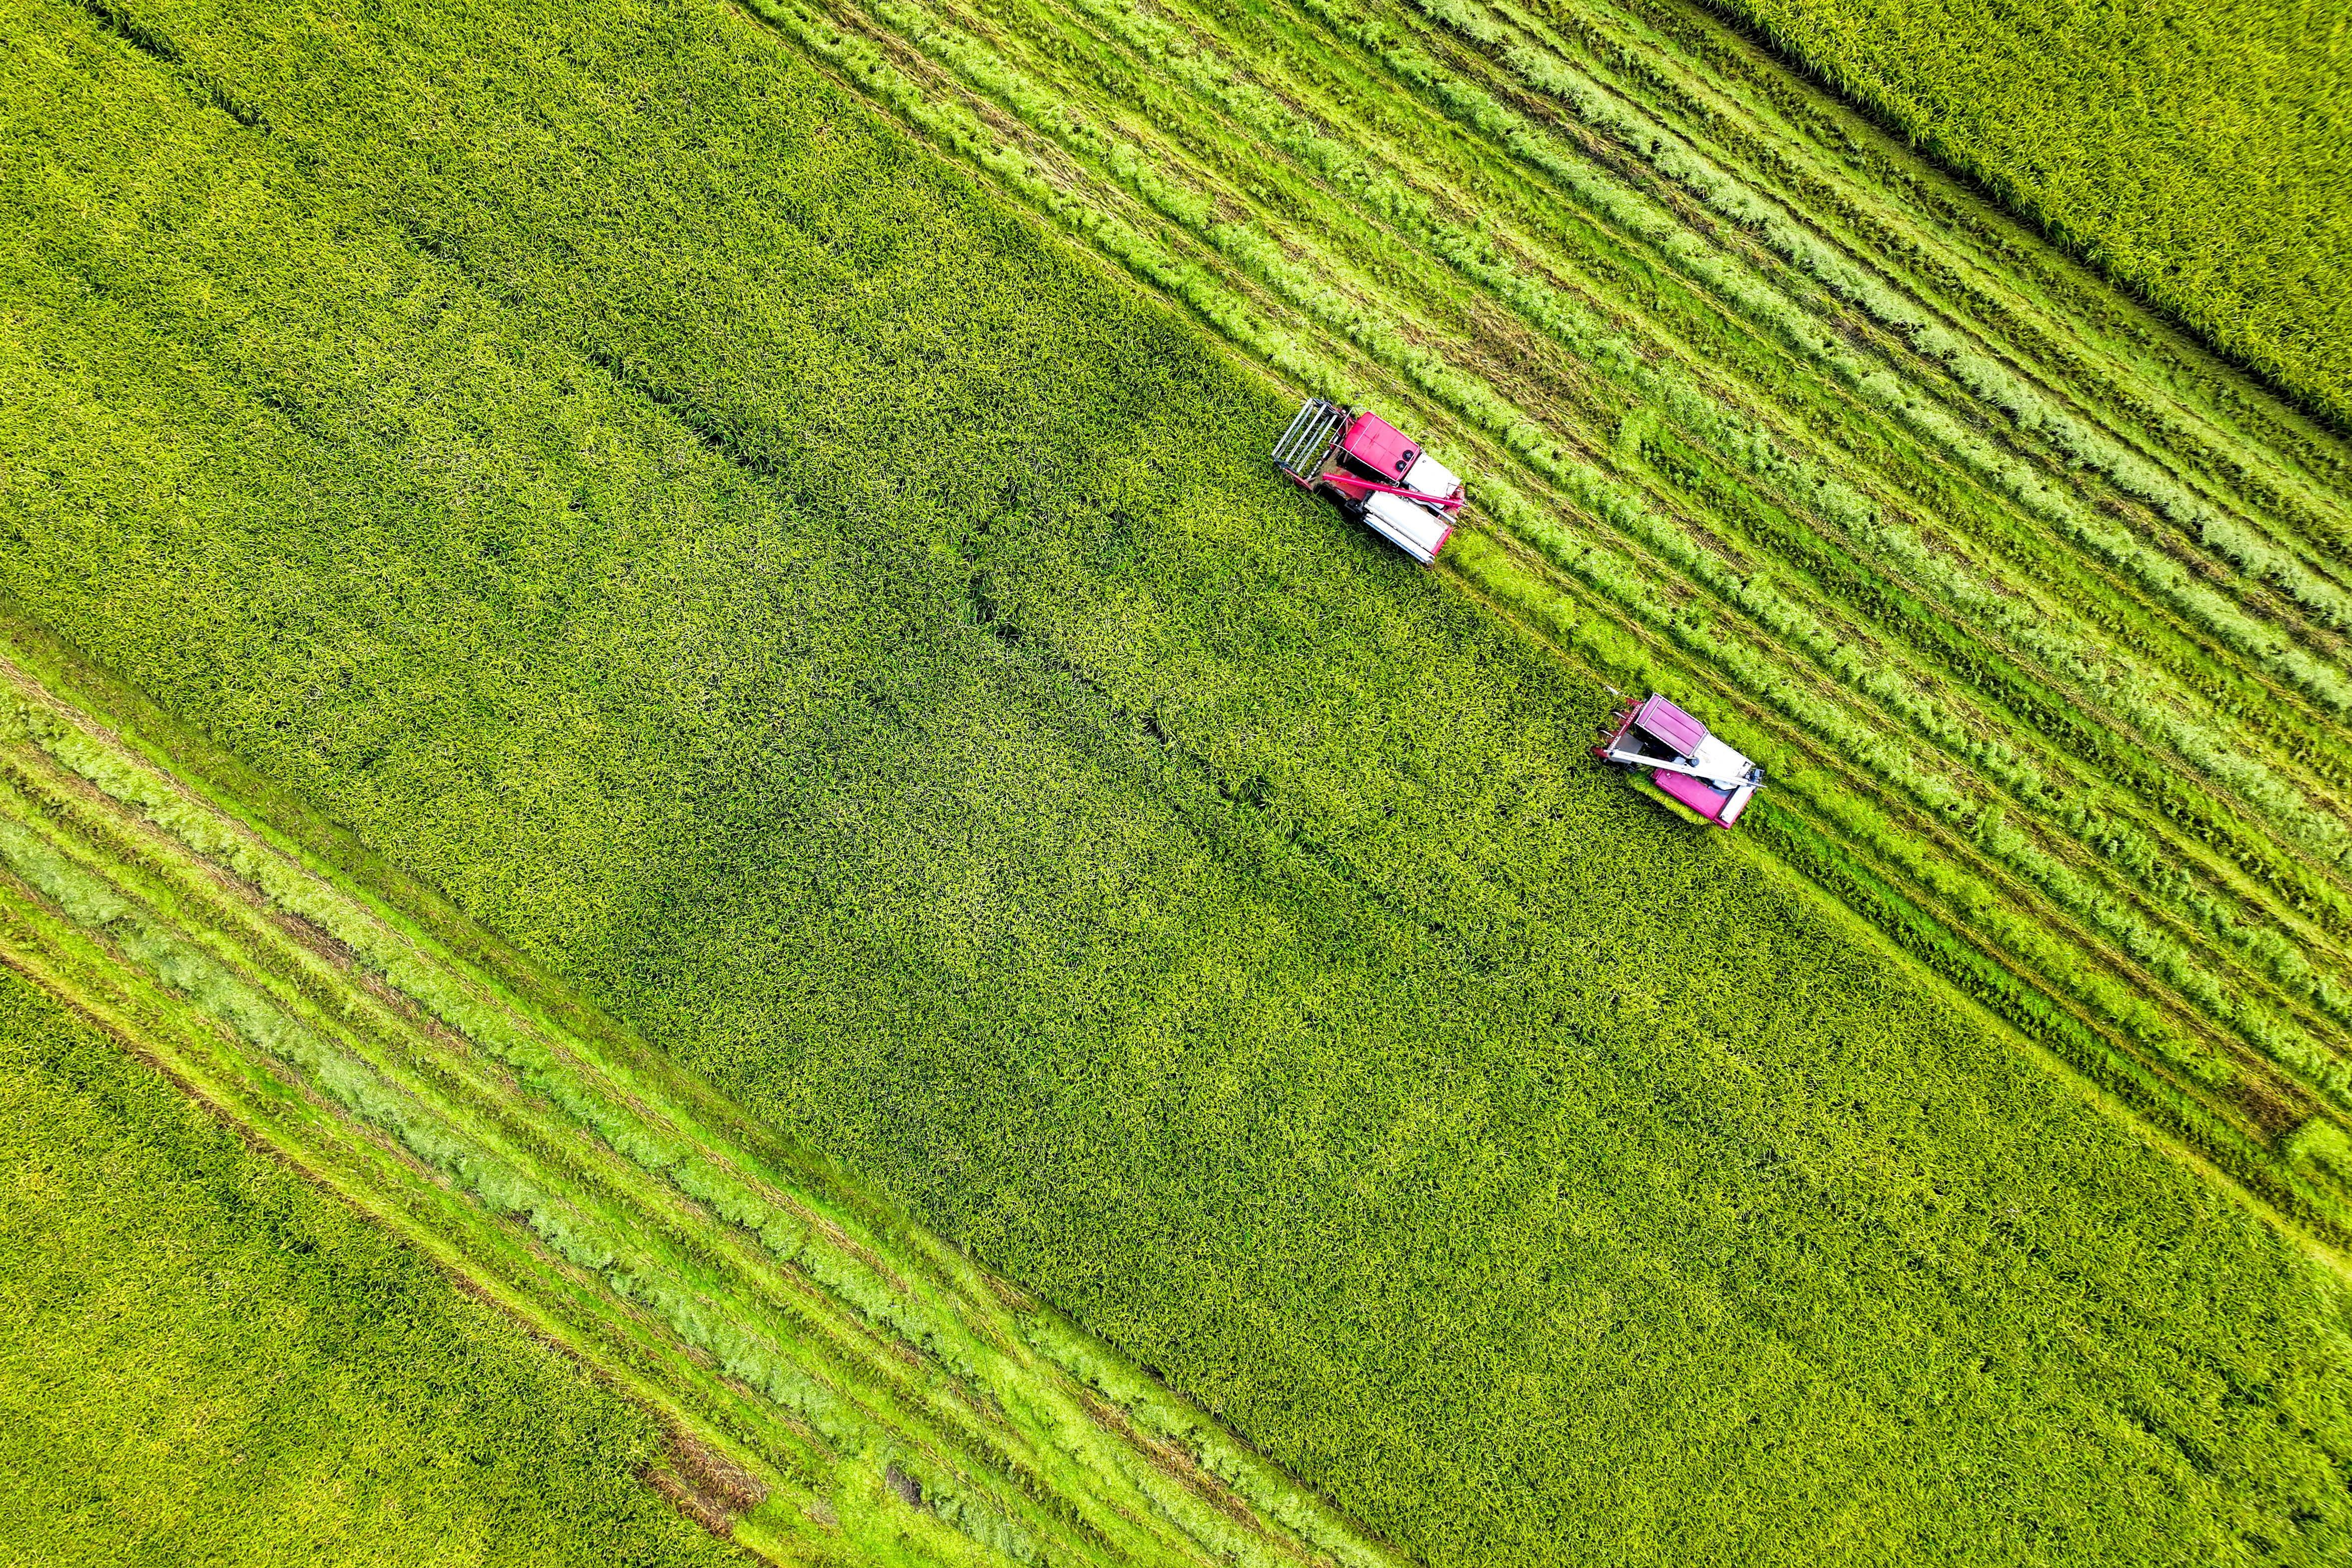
x: 1375, y: 472
x: 1689, y: 765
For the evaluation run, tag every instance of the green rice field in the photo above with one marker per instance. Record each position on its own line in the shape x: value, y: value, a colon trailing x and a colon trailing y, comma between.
x: 2034, y: 610
x: 764, y: 508
x: 833, y: 1385
x: 209, y: 1360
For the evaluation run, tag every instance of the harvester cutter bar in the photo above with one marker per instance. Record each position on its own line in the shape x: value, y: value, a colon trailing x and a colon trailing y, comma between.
x: 1308, y: 442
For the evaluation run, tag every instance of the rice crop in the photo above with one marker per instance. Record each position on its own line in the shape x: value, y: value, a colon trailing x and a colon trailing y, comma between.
x: 2035, y: 615
x: 208, y: 1357
x: 850, y: 1389
x: 2192, y: 152
x: 1961, y: 548
x: 798, y: 589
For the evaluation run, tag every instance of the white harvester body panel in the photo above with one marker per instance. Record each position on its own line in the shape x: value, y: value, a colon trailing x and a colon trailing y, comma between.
x: 1719, y: 764
x: 1431, y: 477
x: 1410, y: 526
x: 1417, y: 529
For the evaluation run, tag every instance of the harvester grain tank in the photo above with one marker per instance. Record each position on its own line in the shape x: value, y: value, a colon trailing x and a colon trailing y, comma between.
x: 1689, y: 765
x: 1375, y: 472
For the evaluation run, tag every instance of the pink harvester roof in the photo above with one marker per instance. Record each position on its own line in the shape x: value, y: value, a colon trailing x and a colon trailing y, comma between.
x: 1374, y: 441
x: 1664, y: 722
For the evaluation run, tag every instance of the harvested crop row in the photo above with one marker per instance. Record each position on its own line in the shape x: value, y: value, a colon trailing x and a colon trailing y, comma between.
x: 2131, y: 137
x: 796, y: 596
x: 299, y: 1386
x: 1738, y: 459
x: 882, y: 1398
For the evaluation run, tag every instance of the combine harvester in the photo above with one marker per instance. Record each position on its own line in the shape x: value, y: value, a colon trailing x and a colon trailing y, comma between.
x: 1378, y: 474
x: 1375, y: 473
x: 1690, y: 767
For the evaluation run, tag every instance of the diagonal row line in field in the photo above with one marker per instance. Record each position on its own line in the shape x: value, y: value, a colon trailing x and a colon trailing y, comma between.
x: 785, y: 1319
x: 1991, y: 294
x: 2066, y: 413
x: 2093, y: 342
x: 1644, y: 540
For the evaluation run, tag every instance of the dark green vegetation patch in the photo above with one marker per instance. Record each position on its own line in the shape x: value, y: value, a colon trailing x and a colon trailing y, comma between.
x: 647, y: 497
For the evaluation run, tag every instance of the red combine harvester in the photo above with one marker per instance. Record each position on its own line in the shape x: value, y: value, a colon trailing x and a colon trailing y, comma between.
x: 1689, y: 766
x: 1375, y: 472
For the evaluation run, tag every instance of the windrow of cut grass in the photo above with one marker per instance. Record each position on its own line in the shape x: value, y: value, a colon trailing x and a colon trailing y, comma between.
x: 2054, y: 639
x: 209, y: 1359
x: 792, y: 594
x: 852, y: 1389
x: 2192, y: 152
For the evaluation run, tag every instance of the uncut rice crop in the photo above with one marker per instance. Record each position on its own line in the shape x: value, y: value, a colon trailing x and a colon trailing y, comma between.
x: 2138, y: 139
x: 866, y: 1395
x: 282, y: 1382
